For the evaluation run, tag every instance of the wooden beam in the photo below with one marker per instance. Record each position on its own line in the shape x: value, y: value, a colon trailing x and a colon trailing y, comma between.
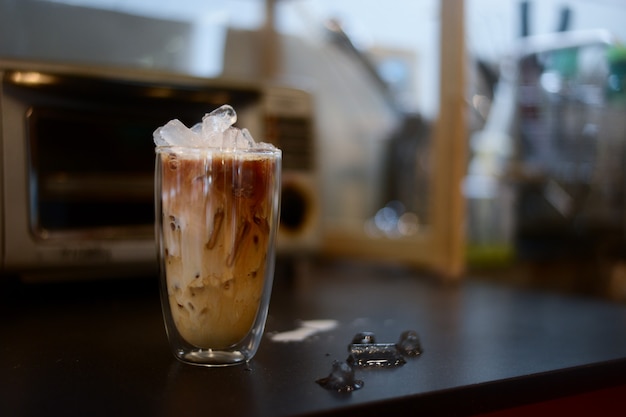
x: 450, y: 143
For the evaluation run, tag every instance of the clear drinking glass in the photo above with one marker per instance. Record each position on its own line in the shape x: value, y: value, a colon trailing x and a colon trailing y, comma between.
x: 216, y: 219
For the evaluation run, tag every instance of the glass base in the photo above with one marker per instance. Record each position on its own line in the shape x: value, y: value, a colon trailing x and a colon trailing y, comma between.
x: 209, y: 357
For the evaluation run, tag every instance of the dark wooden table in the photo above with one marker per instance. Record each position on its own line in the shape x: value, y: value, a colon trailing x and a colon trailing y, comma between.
x: 99, y: 348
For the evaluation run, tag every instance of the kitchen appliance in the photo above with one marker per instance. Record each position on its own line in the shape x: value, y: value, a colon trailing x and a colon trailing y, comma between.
x: 77, y: 162
x: 555, y: 140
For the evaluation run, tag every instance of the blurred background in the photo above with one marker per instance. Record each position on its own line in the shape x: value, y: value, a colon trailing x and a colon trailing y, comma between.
x: 543, y: 190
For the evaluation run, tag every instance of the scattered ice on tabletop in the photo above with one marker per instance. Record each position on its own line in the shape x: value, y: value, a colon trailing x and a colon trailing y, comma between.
x: 409, y: 343
x: 364, y: 337
x: 366, y: 353
x: 375, y: 355
x: 341, y: 378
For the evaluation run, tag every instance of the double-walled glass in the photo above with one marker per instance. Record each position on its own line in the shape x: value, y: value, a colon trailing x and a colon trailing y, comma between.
x: 216, y: 220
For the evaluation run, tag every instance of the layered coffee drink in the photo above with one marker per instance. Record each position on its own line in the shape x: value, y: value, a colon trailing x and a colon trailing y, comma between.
x: 216, y: 229
x: 217, y: 208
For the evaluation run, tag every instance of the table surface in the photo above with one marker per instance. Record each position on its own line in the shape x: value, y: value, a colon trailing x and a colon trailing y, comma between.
x: 99, y: 348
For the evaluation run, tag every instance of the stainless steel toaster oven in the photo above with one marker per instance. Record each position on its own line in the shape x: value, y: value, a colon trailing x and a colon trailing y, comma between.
x: 77, y: 162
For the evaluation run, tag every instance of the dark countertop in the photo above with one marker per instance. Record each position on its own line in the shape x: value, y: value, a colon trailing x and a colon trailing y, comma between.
x: 99, y: 348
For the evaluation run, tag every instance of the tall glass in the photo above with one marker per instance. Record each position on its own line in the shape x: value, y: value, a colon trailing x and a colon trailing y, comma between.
x: 216, y: 219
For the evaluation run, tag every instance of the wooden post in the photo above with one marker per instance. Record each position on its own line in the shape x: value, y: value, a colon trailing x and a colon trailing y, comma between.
x: 450, y: 143
x: 270, y: 45
x: 441, y: 246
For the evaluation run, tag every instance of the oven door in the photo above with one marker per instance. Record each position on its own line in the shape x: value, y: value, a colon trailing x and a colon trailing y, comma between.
x: 78, y: 165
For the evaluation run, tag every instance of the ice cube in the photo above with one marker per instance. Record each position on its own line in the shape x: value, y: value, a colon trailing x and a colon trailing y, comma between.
x: 232, y: 138
x: 409, y: 343
x: 246, y: 138
x: 197, y: 128
x: 341, y: 378
x: 375, y: 355
x: 364, y: 338
x: 219, y: 120
x: 243, y: 139
x: 229, y: 138
x: 216, y: 130
x: 175, y: 133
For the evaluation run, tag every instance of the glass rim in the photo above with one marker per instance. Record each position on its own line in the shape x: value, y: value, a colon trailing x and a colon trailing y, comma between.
x: 265, y: 150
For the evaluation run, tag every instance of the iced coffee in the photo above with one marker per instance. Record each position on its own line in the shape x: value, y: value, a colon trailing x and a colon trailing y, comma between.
x: 217, y: 213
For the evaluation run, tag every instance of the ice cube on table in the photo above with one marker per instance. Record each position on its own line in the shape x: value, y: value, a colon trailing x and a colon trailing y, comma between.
x: 375, y: 355
x: 341, y: 378
x: 363, y: 338
x: 409, y: 343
